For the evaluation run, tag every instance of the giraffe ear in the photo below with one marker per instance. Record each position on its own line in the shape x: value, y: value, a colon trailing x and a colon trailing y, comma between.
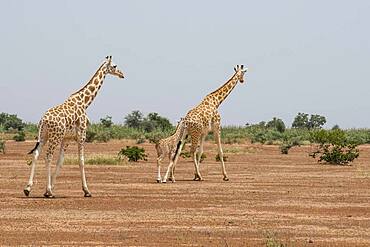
x: 242, y: 66
x: 106, y: 57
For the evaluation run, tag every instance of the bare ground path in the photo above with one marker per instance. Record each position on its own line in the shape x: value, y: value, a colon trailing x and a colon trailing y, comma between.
x: 300, y: 201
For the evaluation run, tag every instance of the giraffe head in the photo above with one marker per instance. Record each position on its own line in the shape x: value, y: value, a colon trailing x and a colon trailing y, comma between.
x: 239, y: 72
x: 112, y: 68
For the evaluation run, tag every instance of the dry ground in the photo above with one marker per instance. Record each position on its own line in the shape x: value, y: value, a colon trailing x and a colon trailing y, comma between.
x: 301, y: 202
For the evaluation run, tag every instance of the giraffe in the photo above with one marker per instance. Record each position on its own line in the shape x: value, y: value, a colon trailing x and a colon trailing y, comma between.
x: 66, y: 122
x: 168, y: 146
x: 205, y: 117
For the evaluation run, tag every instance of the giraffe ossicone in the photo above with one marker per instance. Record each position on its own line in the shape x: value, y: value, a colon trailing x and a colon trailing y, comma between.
x: 66, y: 122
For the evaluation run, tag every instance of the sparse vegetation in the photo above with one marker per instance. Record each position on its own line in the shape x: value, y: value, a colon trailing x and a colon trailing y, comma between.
x: 314, y: 122
x: 217, y: 157
x: 10, y: 122
x: 271, y: 241
x: 2, y: 146
x: 334, y: 147
x: 20, y: 136
x: 288, y: 144
x: 97, y: 160
x: 133, y: 153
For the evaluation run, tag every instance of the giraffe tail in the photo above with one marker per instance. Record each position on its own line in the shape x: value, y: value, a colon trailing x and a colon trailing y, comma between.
x: 33, y: 150
x: 41, y: 129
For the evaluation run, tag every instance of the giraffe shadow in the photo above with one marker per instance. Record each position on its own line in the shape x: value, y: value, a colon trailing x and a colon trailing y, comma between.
x: 42, y: 197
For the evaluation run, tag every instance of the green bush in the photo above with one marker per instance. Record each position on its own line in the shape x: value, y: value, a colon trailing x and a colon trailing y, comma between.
x: 217, y: 158
x: 106, y: 122
x: 334, y: 147
x: 276, y: 123
x: 314, y: 122
x: 2, y: 146
x: 288, y: 144
x: 133, y: 153
x: 20, y: 136
x: 153, y: 121
x: 10, y: 121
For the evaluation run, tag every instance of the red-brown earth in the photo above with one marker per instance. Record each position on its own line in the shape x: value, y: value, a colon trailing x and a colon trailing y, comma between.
x: 292, y: 198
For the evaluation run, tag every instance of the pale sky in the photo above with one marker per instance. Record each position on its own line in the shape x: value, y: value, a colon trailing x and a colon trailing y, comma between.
x: 303, y: 56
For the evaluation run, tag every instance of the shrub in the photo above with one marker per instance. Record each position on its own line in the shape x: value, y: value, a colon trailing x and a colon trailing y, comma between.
x: 288, y: 144
x: 334, y: 147
x: 185, y: 154
x: 103, y: 136
x: 153, y: 121
x: 314, y: 122
x: 276, y: 123
x: 10, y: 121
x: 133, y: 153
x: 134, y: 120
x: 218, y: 157
x: 2, y: 146
x: 20, y: 136
x: 202, y: 157
x: 90, y: 135
x: 106, y: 122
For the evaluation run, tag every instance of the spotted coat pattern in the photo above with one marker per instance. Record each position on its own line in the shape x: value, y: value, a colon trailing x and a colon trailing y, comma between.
x: 66, y: 122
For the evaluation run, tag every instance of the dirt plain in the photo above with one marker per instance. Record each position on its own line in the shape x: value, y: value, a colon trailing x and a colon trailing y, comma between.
x: 289, y: 197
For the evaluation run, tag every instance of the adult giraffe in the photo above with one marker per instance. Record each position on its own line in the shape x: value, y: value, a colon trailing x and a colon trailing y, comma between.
x: 203, y: 118
x: 68, y: 121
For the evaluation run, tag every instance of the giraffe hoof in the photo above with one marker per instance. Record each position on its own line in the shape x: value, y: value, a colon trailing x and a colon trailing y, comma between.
x: 87, y: 194
x: 27, y: 192
x: 169, y: 179
x: 164, y: 181
x: 48, y: 195
x: 226, y: 179
x: 159, y: 181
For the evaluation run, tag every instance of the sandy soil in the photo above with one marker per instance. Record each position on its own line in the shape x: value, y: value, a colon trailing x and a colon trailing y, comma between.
x: 300, y: 202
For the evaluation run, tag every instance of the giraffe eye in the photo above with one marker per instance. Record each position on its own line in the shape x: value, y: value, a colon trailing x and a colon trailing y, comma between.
x: 115, y: 66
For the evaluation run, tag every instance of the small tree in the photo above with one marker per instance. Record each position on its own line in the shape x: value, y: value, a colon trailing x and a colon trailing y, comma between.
x: 334, y: 147
x: 106, y: 122
x: 314, y: 122
x: 276, y: 123
x: 154, y: 121
x: 10, y: 121
x: 134, y: 120
x: 133, y: 153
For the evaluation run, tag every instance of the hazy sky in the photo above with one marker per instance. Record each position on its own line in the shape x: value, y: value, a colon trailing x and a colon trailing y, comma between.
x: 303, y: 56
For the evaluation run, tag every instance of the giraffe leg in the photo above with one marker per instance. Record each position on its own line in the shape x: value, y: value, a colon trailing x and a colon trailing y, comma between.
x: 173, y: 160
x: 60, y: 161
x: 200, y: 150
x: 159, y: 161
x: 216, y: 131
x: 53, y: 143
x: 81, y: 151
x: 193, y: 150
x: 36, y: 154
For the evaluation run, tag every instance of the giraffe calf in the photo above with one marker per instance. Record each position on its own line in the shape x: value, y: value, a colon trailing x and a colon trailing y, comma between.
x: 169, y: 146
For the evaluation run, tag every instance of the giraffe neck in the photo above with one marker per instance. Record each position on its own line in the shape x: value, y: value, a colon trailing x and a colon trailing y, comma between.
x: 219, y: 95
x: 179, y: 130
x: 85, y: 96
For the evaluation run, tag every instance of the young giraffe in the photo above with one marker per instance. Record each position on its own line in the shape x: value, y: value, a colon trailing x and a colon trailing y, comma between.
x: 168, y: 146
x: 205, y: 117
x: 68, y: 121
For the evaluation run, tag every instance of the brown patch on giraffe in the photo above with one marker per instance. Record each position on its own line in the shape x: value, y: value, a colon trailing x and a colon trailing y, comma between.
x: 91, y: 88
x: 86, y: 99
